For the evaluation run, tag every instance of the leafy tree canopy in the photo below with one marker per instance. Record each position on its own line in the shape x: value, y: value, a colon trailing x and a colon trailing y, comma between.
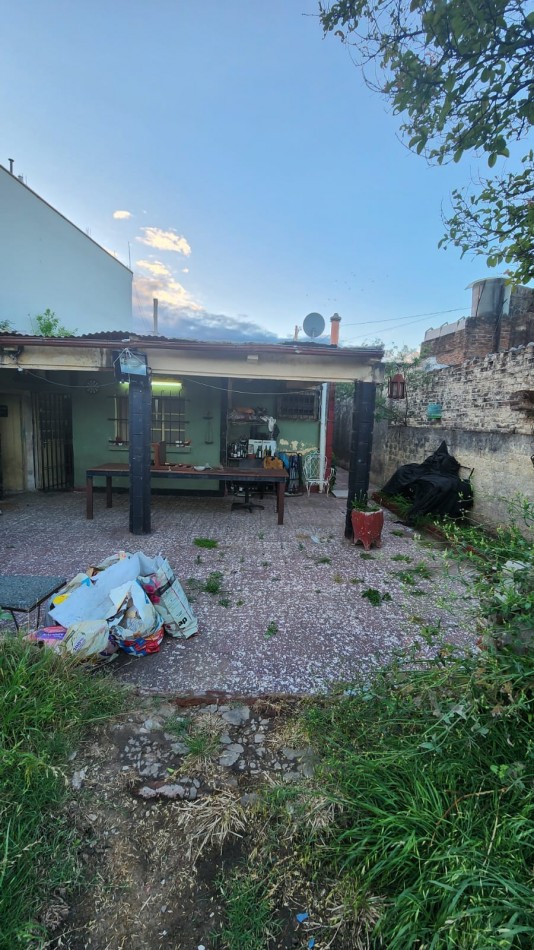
x: 461, y: 74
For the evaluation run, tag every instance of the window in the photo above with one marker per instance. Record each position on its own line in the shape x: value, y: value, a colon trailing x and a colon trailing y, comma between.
x: 168, y: 423
x: 299, y: 405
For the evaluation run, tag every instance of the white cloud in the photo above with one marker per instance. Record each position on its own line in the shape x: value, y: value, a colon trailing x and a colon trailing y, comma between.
x: 165, y: 240
x: 169, y: 292
x: 185, y: 270
x: 155, y: 268
x: 122, y: 215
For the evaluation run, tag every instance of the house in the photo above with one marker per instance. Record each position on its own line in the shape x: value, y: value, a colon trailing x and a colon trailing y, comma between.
x: 63, y: 410
x: 46, y: 262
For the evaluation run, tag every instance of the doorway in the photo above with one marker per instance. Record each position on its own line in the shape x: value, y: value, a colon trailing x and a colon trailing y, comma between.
x: 54, y: 462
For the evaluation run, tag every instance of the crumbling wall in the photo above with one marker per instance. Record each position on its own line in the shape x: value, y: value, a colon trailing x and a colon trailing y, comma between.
x: 479, y: 423
x: 478, y: 393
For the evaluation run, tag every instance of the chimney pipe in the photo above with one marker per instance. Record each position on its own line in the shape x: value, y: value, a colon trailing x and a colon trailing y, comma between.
x: 335, y: 320
x: 11, y: 163
x: 155, y: 330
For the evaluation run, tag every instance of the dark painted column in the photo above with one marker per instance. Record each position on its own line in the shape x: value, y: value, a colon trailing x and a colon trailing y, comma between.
x: 140, y: 412
x: 363, y: 411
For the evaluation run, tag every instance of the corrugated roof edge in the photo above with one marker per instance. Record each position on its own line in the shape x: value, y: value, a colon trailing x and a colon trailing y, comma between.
x: 115, y: 337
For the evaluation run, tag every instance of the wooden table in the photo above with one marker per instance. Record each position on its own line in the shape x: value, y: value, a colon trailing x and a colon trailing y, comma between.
x: 22, y: 593
x: 258, y: 476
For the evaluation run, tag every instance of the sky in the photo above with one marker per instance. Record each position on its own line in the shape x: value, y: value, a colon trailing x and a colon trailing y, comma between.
x: 233, y: 157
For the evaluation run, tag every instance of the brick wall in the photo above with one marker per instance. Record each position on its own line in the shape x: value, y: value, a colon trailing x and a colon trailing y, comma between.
x: 476, y: 394
x: 480, y: 427
x: 480, y: 335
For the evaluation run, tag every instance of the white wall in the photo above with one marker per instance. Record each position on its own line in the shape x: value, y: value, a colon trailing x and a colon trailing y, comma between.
x: 45, y: 261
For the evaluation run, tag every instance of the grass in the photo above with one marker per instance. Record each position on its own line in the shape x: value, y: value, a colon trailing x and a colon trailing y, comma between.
x: 213, y: 583
x: 375, y: 597
x: 415, y: 573
x: 433, y: 769
x: 46, y: 704
x: 206, y: 543
x: 323, y: 560
x: 249, y: 917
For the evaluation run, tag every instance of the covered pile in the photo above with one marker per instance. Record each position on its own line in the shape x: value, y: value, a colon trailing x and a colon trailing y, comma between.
x: 434, y: 487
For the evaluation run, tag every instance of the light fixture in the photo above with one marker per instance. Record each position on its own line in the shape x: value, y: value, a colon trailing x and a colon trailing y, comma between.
x: 252, y: 358
x: 166, y: 383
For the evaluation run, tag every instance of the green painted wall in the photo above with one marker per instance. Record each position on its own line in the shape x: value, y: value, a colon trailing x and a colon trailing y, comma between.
x: 295, y: 435
x: 94, y: 429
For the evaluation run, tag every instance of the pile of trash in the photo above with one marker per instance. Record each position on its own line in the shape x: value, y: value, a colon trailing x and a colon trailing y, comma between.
x: 126, y: 603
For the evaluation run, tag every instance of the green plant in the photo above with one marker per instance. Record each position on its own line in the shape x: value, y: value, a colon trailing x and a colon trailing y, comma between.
x: 431, y: 767
x: 198, y: 559
x: 202, y: 743
x: 401, y: 557
x: 366, y: 556
x: 337, y: 578
x: 503, y: 563
x: 47, y: 324
x: 361, y: 502
x: 213, y: 583
x: 250, y: 924
x: 323, y: 560
x: 272, y: 630
x: 177, y: 726
x: 224, y: 602
x: 427, y: 59
x: 46, y: 705
x: 6, y: 326
x: 375, y: 597
x: 206, y: 542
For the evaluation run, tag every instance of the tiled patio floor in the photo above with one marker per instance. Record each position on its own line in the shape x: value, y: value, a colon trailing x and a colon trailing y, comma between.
x: 303, y: 578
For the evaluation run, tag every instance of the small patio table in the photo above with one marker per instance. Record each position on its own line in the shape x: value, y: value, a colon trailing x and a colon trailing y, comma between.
x: 22, y: 593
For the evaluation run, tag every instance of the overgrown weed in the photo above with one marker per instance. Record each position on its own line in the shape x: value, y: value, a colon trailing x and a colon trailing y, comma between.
x: 46, y: 704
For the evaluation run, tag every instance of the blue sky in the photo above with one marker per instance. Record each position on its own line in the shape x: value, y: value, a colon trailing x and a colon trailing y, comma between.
x: 259, y: 179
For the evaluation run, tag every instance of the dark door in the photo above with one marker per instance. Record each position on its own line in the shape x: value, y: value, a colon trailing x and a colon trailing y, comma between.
x: 52, y: 414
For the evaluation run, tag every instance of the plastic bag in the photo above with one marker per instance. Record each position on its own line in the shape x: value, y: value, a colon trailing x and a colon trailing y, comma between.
x: 164, y: 589
x: 136, y: 626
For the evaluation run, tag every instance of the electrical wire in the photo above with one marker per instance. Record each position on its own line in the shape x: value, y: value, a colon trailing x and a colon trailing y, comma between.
x: 196, y: 382
x: 408, y: 316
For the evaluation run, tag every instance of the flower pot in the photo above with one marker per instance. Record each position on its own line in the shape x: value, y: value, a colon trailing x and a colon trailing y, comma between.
x: 367, y: 527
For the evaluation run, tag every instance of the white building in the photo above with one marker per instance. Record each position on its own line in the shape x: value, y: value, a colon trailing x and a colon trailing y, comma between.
x: 46, y: 262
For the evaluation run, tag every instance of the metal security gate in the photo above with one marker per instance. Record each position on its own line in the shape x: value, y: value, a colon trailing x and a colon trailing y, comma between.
x: 52, y: 413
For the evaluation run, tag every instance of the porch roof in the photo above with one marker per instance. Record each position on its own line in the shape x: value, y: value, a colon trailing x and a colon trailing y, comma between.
x: 294, y: 360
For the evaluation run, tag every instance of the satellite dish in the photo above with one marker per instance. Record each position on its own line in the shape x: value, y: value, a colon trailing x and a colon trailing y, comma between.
x: 313, y: 325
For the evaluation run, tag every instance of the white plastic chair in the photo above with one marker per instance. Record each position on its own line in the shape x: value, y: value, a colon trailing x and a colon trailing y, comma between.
x: 316, y: 472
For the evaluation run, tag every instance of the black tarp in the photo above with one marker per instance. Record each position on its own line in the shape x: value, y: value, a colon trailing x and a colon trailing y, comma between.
x: 434, y: 486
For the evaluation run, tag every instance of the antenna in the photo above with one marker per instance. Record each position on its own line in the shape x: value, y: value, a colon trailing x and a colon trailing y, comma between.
x: 313, y: 325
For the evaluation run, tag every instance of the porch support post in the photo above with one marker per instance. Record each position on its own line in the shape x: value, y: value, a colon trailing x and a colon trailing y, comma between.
x: 363, y: 408
x: 140, y: 411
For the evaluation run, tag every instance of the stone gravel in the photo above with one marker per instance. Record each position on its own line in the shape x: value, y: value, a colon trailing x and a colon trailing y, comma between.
x: 289, y: 617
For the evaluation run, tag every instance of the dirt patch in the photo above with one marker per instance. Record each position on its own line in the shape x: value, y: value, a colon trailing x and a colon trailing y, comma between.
x: 162, y: 804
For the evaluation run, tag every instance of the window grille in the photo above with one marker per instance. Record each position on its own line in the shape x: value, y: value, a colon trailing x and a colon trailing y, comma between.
x: 299, y: 405
x: 167, y: 423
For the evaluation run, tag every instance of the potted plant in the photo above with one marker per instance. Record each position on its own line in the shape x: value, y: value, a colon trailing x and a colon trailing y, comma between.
x: 367, y: 521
